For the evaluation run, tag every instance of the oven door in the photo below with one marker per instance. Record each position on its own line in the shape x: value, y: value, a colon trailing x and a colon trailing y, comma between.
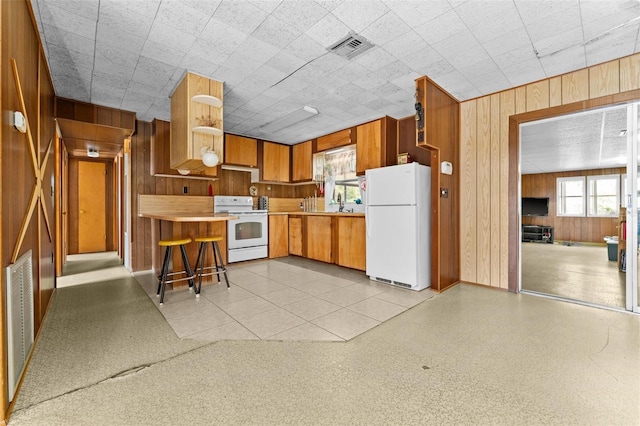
x: 249, y: 230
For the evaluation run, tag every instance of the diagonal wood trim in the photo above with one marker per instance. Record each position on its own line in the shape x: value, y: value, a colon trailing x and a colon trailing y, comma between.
x: 32, y: 148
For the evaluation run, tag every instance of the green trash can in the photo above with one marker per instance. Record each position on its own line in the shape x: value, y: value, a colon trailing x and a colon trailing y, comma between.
x: 612, y: 248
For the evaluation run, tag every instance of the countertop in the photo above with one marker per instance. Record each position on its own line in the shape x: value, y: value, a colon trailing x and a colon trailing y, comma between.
x: 189, y: 217
x: 301, y: 213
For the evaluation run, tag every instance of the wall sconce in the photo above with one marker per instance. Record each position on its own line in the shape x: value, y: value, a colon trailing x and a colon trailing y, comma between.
x: 209, y: 157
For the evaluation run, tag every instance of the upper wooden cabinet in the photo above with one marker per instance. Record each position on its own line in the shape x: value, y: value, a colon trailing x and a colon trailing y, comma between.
x: 196, y: 121
x: 241, y: 151
x: 376, y: 144
x: 333, y: 140
x: 275, y: 162
x: 302, y: 162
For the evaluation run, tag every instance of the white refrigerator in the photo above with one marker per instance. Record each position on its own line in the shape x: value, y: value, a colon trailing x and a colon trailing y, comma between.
x: 398, y: 224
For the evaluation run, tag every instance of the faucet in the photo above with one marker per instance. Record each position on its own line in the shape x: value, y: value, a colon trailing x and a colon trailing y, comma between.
x: 340, y: 203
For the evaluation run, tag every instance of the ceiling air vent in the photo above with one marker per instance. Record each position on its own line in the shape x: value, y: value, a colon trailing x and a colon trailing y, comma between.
x: 350, y: 46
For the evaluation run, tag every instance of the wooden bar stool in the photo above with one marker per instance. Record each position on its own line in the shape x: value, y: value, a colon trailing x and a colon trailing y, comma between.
x: 165, y: 274
x: 219, y: 265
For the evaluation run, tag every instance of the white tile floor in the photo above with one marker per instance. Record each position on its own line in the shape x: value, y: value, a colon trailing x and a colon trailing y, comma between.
x: 276, y: 300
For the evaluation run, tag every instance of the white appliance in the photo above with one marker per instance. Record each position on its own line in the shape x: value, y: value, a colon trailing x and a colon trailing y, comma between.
x: 247, y: 236
x: 397, y: 212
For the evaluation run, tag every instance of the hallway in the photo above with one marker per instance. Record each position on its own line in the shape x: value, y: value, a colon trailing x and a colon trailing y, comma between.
x: 470, y: 355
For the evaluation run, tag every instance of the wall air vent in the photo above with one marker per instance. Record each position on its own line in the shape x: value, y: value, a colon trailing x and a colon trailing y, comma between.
x: 350, y: 46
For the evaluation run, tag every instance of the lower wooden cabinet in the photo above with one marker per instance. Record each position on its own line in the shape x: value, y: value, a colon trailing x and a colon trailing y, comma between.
x: 319, y: 238
x: 278, y: 236
x: 329, y: 238
x: 295, y: 235
x: 351, y: 242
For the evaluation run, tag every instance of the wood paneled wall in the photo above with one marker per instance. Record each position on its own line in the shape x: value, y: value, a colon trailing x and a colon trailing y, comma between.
x: 19, y: 40
x: 576, y: 229
x: 489, y: 194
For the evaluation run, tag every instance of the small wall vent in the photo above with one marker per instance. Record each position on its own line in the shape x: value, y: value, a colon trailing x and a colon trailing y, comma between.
x: 19, y: 317
x: 350, y: 46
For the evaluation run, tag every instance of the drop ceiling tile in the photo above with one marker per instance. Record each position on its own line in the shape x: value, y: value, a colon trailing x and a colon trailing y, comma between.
x: 456, y: 84
x: 427, y: 62
x: 163, y: 53
x: 523, y: 72
x: 352, y: 71
x: 300, y: 14
x: 260, y: 103
x: 305, y: 48
x: 104, y: 81
x: 553, y: 24
x: 374, y: 59
x: 71, y: 22
x: 277, y: 92
x: 109, y: 59
x: 408, y: 44
x: 198, y: 65
x: 152, y: 71
x: 600, y: 17
x: 442, y: 28
x: 145, y: 89
x: 125, y: 41
x: 266, y: 5
x: 120, y: 17
x: 416, y: 14
x: 369, y: 81
x: 86, y: 8
x: 492, y: 20
x: 145, y: 9
x: 275, y: 32
x: 206, y: 50
x: 572, y: 58
x: 489, y: 83
x: 328, y: 30
x: 238, y: 61
x: 285, y: 62
x: 329, y: 4
x: 71, y: 41
x: 170, y: 36
x: 531, y: 11
x: 508, y: 41
x: 559, y: 41
x: 62, y: 58
x: 241, y: 15
x: 619, y: 43
x: 406, y: 81
x: 328, y: 81
x: 255, y: 84
x: 103, y: 96
x: 393, y: 70
x: 329, y: 62
x: 357, y: 17
x: 180, y: 15
x: 257, y: 50
x: 388, y: 27
x: 461, y: 49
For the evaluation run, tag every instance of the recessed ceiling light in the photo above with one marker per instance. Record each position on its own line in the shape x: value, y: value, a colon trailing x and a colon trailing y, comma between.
x: 92, y: 153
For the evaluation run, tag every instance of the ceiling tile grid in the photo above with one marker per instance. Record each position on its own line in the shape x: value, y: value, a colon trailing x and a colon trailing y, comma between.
x: 273, y: 58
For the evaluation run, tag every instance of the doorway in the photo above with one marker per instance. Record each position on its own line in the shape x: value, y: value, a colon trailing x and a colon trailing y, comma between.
x: 92, y: 230
x: 577, y: 165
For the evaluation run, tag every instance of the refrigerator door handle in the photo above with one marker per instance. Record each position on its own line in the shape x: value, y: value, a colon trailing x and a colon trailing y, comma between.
x: 366, y: 219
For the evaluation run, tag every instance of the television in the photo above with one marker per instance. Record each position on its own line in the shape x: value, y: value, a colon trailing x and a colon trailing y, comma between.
x: 535, y: 206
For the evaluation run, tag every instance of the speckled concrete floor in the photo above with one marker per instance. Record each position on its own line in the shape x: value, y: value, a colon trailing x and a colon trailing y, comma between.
x: 468, y: 356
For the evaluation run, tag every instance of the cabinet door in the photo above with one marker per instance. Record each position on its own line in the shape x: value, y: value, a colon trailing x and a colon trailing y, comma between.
x: 278, y: 236
x: 334, y: 140
x: 319, y: 238
x: 302, y: 159
x: 351, y: 236
x: 369, y: 144
x: 295, y: 235
x: 275, y: 162
x: 241, y: 151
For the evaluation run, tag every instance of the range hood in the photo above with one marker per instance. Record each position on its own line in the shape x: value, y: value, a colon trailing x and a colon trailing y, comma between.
x: 255, y: 172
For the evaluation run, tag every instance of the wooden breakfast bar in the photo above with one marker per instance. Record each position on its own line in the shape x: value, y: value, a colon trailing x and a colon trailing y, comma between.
x: 180, y: 217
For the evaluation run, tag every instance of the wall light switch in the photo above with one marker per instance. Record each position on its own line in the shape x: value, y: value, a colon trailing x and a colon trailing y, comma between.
x: 444, y: 192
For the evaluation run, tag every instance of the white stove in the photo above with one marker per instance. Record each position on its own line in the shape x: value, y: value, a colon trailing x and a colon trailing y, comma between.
x: 247, y: 236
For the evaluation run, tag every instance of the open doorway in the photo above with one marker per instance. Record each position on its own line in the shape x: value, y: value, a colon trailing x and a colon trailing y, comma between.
x: 573, y: 187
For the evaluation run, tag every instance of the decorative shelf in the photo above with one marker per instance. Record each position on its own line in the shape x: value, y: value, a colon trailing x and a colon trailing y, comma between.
x: 208, y: 130
x: 208, y: 100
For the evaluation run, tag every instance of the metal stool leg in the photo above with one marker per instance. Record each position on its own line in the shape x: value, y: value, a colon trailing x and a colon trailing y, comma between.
x: 222, y: 265
x: 165, y: 270
x: 187, y: 267
x: 215, y: 259
x: 202, y: 257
